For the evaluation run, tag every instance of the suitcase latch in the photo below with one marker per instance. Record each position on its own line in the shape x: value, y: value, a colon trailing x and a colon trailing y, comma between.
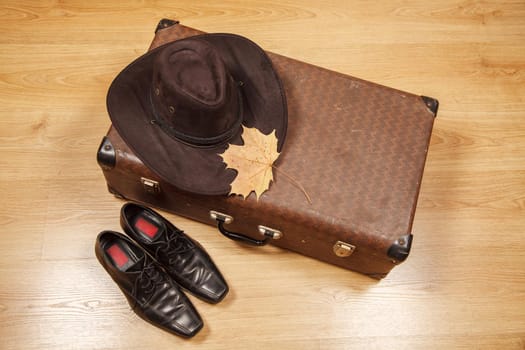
x: 269, y: 232
x: 215, y: 215
x: 150, y: 186
x: 343, y: 249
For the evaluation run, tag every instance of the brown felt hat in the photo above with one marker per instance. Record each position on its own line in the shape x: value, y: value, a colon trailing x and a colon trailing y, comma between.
x: 180, y: 105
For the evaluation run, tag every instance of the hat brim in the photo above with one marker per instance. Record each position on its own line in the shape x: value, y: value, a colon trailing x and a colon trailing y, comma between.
x: 190, y: 168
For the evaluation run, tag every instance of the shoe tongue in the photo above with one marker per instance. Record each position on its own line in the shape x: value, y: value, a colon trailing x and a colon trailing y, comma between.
x: 137, y: 266
x: 170, y: 236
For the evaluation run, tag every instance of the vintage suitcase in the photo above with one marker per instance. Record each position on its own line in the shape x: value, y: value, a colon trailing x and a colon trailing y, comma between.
x: 357, y: 149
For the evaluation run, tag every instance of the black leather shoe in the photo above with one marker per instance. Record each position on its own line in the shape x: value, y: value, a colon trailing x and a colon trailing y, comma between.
x: 151, y: 293
x: 183, y: 258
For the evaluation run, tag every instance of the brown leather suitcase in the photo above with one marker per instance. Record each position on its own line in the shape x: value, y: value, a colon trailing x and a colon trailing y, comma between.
x: 357, y: 150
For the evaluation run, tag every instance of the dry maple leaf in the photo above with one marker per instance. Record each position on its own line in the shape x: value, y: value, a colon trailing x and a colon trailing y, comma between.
x: 253, y: 162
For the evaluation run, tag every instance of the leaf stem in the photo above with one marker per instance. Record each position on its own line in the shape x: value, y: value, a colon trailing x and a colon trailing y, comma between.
x: 295, y: 182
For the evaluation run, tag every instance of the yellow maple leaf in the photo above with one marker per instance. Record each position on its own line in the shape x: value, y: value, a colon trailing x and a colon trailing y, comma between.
x: 253, y: 162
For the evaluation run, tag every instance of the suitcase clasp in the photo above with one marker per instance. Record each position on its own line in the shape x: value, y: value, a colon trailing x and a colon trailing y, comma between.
x: 215, y: 215
x: 343, y: 249
x: 150, y: 186
x: 269, y: 232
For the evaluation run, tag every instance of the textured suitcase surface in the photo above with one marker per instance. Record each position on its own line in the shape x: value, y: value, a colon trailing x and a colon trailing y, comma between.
x: 357, y: 148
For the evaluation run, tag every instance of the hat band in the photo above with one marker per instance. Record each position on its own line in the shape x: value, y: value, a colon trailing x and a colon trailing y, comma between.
x: 195, y: 140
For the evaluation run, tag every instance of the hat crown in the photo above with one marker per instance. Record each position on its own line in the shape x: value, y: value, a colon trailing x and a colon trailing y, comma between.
x: 194, y: 97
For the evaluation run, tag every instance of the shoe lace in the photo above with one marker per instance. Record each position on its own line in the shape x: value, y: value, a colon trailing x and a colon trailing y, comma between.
x: 148, y: 280
x: 176, y: 244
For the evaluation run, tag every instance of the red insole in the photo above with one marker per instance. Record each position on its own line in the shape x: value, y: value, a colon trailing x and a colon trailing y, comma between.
x: 146, y: 227
x: 120, y: 258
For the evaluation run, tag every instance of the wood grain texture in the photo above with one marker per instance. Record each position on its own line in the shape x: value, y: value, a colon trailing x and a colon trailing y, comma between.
x: 463, y: 286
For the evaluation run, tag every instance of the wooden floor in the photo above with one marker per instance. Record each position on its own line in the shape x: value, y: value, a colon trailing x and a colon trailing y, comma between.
x: 463, y: 287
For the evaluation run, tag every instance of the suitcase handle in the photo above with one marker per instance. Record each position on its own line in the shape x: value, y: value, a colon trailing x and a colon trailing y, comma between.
x: 223, y: 219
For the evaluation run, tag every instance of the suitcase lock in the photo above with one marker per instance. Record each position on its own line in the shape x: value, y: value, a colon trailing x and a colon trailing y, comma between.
x: 150, y: 186
x: 343, y: 249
